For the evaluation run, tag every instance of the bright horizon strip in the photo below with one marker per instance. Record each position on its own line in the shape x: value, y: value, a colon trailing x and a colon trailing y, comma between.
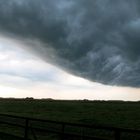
x: 24, y: 75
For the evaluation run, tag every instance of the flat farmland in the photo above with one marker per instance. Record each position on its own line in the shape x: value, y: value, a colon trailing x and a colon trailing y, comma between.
x: 111, y: 113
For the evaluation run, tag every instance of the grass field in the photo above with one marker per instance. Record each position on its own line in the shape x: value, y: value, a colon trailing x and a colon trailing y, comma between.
x: 112, y: 113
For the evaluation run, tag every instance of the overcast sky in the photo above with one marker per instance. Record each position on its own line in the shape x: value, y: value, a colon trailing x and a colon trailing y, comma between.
x: 70, y: 49
x: 25, y: 75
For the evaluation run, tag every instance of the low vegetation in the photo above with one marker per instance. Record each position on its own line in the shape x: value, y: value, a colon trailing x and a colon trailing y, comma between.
x: 107, y: 113
x: 111, y: 113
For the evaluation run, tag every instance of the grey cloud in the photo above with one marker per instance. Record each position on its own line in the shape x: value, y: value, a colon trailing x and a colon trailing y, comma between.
x: 98, y: 40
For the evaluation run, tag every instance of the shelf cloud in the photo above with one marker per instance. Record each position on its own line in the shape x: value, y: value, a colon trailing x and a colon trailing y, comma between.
x: 98, y: 40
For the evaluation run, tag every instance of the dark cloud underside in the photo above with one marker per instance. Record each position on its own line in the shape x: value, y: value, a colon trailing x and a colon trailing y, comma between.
x: 95, y: 39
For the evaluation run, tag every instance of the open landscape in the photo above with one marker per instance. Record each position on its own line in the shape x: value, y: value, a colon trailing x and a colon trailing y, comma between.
x: 69, y: 70
x: 112, y: 113
x: 117, y: 114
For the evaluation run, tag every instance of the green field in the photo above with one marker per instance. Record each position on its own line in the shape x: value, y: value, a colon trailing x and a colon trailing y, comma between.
x: 119, y: 114
x: 111, y: 113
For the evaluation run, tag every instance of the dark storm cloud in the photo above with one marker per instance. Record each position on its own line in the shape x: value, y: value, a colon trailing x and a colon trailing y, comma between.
x: 95, y: 39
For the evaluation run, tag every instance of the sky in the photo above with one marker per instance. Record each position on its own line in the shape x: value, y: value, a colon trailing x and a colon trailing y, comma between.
x: 70, y: 49
x: 25, y: 75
